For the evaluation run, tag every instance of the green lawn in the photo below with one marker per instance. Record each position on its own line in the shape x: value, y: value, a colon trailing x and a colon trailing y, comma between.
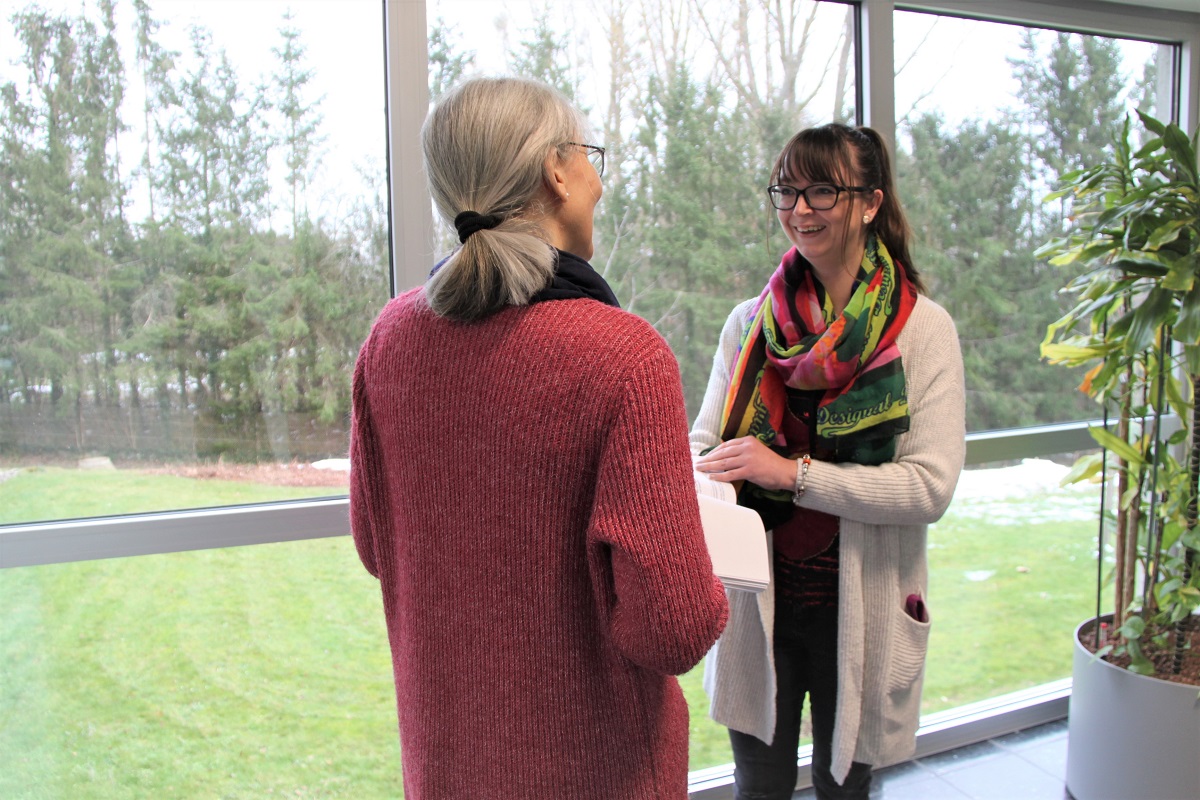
x: 263, y: 671
x: 36, y: 493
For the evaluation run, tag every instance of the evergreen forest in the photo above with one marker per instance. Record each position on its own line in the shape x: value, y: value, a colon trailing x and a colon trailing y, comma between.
x: 191, y: 288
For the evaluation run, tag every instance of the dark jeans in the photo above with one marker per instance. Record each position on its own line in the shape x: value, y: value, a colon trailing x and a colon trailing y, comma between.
x: 805, y: 663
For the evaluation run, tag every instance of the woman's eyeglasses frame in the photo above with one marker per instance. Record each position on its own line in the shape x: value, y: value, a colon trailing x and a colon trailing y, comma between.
x: 781, y: 192
x: 595, y: 155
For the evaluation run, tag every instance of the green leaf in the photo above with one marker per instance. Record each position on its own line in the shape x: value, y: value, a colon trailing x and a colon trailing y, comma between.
x: 1084, y: 468
x: 1149, y: 147
x: 1070, y: 353
x: 1147, y: 319
x: 1191, y: 353
x: 1180, y: 147
x: 1133, y: 628
x: 1151, y: 123
x: 1116, y: 444
x: 1119, y: 329
x: 1187, y: 323
x: 1166, y: 587
x: 1069, y: 257
x: 1058, y: 194
x: 1144, y: 267
x: 1166, y: 233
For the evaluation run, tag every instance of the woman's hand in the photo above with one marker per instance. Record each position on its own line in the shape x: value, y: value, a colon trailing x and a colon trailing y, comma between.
x: 748, y: 459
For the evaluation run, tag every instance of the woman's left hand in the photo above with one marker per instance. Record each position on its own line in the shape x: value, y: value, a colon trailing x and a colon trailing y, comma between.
x: 748, y: 459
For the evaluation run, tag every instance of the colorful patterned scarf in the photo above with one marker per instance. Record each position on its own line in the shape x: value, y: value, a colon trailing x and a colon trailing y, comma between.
x: 794, y: 341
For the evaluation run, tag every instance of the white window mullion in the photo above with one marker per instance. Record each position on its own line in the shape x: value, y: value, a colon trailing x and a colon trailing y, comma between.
x: 149, y: 534
x: 878, y: 68
x: 407, y: 46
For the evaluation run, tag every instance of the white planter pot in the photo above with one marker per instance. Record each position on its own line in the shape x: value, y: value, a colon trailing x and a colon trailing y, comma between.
x: 1130, y: 736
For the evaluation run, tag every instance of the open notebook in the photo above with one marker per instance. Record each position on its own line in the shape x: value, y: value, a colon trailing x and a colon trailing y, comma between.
x: 737, y: 542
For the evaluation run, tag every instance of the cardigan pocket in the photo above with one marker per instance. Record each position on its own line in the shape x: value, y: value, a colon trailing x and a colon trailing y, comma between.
x: 911, y: 642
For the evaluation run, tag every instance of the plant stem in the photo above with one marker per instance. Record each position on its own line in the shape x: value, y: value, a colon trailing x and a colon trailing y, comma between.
x: 1123, y: 569
x: 1189, y: 523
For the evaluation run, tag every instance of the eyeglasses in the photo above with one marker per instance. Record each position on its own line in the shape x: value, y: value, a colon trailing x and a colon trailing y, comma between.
x: 818, y: 196
x: 595, y: 154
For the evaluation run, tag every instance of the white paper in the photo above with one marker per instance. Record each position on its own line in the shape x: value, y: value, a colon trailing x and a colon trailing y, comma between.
x: 737, y: 541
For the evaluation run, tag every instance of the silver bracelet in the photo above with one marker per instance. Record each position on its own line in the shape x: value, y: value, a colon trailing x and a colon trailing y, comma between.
x: 801, y: 476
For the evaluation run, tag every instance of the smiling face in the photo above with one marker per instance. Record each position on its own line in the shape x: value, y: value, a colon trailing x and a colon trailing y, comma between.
x: 832, y: 239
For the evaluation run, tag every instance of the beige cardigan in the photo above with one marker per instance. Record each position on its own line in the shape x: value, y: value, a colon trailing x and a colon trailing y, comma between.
x: 884, y: 511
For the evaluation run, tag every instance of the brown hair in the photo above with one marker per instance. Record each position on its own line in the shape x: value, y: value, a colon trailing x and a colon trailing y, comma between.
x: 844, y: 156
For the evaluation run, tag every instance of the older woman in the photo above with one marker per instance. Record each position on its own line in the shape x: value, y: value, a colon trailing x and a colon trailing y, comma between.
x: 836, y: 404
x: 521, y: 483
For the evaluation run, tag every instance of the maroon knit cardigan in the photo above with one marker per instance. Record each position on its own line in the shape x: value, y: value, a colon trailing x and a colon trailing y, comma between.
x: 522, y: 489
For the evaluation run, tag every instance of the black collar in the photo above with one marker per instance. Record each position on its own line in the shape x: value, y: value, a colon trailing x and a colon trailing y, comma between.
x: 574, y: 278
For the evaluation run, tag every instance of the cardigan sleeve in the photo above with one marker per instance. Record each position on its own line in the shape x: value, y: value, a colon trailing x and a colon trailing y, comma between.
x: 367, y: 487
x: 663, y: 606
x: 917, y: 486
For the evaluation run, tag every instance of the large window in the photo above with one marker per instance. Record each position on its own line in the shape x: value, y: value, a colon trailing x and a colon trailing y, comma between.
x: 988, y: 117
x: 693, y: 100
x: 194, y: 240
x: 247, y: 672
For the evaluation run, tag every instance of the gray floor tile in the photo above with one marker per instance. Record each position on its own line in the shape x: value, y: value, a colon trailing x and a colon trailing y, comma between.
x: 962, y: 757
x: 1034, y: 737
x: 901, y: 774
x: 1029, y: 764
x: 927, y: 788
x: 1050, y: 756
x: 1005, y: 778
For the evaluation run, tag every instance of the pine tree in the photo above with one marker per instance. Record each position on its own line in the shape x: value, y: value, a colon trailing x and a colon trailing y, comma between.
x: 447, y: 65
x: 63, y: 238
x: 964, y: 190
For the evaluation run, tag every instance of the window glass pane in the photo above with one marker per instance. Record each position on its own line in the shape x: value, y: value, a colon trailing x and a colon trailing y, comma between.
x: 249, y: 672
x: 989, y: 116
x: 693, y: 103
x: 193, y: 242
x: 684, y: 230
x: 1012, y: 571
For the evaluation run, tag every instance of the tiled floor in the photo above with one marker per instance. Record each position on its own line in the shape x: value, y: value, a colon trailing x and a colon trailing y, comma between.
x: 1030, y: 764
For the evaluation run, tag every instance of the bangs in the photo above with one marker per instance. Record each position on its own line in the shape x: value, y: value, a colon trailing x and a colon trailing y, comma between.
x: 817, y: 154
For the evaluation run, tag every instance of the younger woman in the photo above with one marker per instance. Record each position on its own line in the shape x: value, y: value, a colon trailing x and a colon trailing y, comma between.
x: 836, y: 405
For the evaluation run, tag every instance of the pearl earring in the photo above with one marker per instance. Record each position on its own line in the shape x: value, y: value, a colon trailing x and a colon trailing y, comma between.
x: 866, y: 219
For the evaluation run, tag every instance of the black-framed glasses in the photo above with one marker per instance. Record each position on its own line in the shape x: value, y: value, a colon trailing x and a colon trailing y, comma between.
x: 817, y: 196
x: 595, y: 154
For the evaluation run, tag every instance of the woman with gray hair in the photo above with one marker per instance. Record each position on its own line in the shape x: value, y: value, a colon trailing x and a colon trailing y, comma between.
x: 521, y: 483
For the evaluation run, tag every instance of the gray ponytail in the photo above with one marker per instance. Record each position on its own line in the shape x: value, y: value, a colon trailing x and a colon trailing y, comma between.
x: 485, y: 146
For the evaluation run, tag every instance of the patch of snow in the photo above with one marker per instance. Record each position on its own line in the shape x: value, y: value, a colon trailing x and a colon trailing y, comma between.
x: 1027, y: 493
x: 1031, y: 476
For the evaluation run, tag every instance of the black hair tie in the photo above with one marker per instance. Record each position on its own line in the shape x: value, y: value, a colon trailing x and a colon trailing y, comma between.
x: 469, y: 222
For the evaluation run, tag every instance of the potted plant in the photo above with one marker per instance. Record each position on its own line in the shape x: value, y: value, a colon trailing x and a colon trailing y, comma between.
x: 1134, y: 247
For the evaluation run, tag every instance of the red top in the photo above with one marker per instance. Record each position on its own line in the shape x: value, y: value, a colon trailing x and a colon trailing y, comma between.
x: 522, y: 487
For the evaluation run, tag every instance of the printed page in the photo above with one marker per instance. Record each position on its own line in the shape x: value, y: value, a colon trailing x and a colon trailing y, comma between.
x: 717, y: 490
